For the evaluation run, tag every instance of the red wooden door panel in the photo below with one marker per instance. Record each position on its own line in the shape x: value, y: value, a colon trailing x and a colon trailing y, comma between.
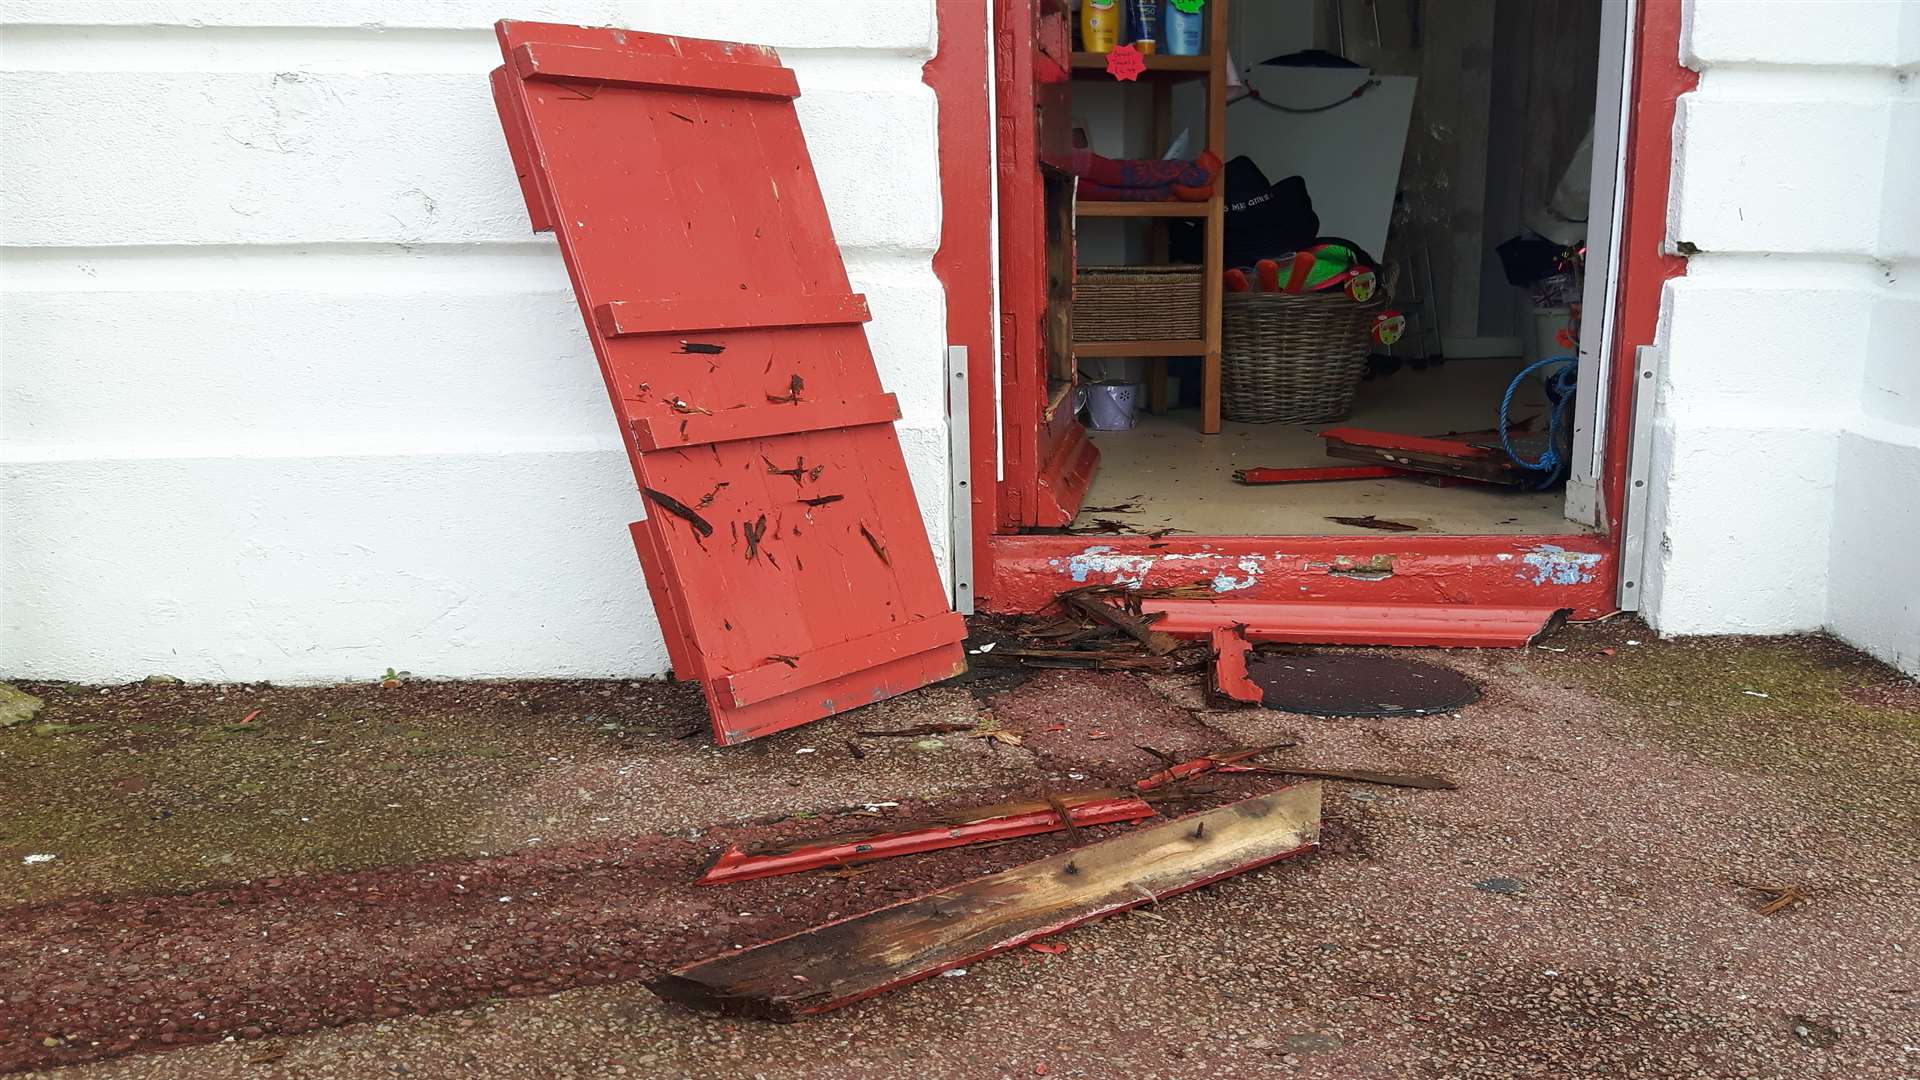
x: 783, y: 549
x: 1049, y: 461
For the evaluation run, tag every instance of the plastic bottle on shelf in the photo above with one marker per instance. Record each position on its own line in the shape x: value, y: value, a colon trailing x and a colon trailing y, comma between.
x: 1183, y: 30
x: 1100, y: 24
x: 1143, y: 25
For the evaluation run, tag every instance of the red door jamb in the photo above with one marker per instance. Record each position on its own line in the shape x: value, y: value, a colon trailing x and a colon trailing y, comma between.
x: 958, y: 74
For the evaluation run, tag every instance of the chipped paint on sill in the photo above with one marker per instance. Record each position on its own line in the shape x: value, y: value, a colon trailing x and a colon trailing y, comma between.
x: 1101, y: 559
x: 1551, y: 564
x: 1224, y: 582
x: 1377, y: 568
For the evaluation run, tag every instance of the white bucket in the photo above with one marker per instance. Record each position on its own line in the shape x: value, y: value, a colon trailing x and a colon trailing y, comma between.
x: 1110, y: 406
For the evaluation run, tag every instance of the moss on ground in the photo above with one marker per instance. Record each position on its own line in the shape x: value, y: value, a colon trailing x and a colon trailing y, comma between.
x: 158, y: 788
x: 1801, y: 709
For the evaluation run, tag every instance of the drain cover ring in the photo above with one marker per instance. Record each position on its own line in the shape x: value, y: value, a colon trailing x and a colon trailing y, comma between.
x: 1358, y: 684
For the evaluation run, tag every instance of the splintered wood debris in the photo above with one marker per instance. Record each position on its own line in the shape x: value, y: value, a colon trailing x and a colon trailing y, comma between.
x: 1097, y: 628
x: 842, y: 962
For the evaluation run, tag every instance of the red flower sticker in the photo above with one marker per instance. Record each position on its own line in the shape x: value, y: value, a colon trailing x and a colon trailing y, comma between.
x: 1125, y: 63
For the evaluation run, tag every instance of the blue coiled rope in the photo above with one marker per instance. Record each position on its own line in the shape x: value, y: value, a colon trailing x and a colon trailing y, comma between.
x: 1560, y: 389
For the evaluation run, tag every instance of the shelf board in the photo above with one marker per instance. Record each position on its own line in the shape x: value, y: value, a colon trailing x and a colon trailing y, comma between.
x: 1142, y: 347
x: 1088, y: 65
x: 1112, y: 208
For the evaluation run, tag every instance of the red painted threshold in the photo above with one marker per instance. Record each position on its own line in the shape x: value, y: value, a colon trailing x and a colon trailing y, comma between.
x: 1444, y: 625
x: 1543, y: 573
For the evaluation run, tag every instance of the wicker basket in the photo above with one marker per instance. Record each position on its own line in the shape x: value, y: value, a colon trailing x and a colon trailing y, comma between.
x: 1294, y: 358
x: 1128, y: 303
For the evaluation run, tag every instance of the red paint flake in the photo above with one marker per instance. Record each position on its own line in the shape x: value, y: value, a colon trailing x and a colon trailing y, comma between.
x: 1051, y: 948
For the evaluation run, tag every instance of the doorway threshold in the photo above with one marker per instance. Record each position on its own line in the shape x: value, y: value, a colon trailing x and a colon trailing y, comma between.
x: 1573, y: 571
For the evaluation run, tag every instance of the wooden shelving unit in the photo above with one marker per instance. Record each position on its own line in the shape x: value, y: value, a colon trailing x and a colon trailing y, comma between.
x: 1161, y: 75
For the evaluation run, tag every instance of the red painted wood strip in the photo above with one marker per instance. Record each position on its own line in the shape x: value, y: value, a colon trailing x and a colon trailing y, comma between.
x: 777, y: 678
x: 1230, y: 679
x: 762, y: 422
x: 1010, y: 823
x: 863, y: 687
x: 585, y: 63
x: 1443, y: 625
x: 513, y: 123
x: 1387, y: 440
x: 631, y: 318
x: 667, y: 605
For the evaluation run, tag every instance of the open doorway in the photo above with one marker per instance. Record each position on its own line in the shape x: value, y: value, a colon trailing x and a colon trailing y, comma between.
x: 1401, y: 222
x: 1025, y: 485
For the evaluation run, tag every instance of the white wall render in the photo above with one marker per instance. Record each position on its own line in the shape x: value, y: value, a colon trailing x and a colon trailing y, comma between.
x: 289, y: 390
x: 1787, y: 442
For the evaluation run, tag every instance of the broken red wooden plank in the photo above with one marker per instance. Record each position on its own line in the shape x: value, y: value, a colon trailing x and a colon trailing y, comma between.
x: 1316, y: 474
x: 618, y: 67
x: 978, y: 825
x: 1418, y: 453
x: 855, y: 958
x: 1229, y: 674
x: 675, y: 176
x: 1308, y: 623
x: 633, y: 318
x: 762, y: 422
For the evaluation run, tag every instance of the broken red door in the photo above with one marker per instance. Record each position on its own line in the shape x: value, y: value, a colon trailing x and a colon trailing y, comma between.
x: 783, y: 547
x: 1049, y: 459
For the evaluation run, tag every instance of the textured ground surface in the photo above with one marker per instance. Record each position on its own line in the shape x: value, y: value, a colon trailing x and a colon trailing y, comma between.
x: 465, y: 880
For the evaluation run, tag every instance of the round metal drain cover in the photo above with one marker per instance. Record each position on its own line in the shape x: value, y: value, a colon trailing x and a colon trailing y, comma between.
x: 1358, y: 684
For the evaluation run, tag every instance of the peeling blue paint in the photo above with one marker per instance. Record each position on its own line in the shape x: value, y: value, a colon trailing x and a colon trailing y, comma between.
x: 1551, y: 564
x: 1101, y: 559
x: 1224, y: 582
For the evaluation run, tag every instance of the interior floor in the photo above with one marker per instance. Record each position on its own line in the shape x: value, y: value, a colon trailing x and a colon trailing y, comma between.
x: 1164, y: 473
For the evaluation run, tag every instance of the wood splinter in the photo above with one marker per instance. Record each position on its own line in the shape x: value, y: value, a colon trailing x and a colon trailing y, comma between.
x: 1779, y: 897
x: 792, y: 396
x: 680, y: 510
x: 874, y: 541
x: 754, y: 531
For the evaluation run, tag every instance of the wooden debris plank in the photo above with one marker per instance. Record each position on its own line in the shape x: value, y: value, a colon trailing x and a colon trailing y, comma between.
x: 855, y: 958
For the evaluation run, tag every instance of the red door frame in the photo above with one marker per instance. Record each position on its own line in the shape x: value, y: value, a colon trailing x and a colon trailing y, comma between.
x: 1014, y: 572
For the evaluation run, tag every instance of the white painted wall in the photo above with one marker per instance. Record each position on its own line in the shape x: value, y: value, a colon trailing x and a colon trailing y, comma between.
x: 287, y: 388
x: 1786, y: 486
